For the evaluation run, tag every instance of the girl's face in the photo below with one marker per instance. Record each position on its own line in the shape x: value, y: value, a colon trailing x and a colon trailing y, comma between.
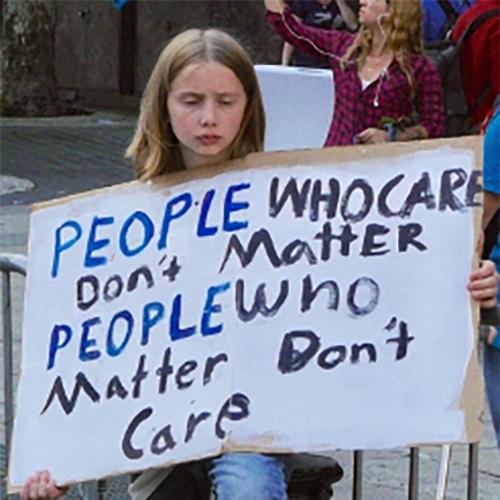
x: 371, y: 11
x: 206, y: 104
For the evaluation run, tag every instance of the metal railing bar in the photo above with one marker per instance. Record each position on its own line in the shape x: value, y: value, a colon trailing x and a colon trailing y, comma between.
x: 472, y: 474
x: 413, y: 474
x: 357, y: 484
x: 444, y: 470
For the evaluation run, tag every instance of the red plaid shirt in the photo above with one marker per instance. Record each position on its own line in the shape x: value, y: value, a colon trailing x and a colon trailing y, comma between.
x: 388, y: 96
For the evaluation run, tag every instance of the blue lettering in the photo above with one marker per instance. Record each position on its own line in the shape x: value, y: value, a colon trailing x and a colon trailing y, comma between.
x: 60, y: 246
x: 233, y: 206
x: 113, y: 349
x: 176, y: 332
x: 148, y: 233
x: 94, y: 244
x: 56, y: 343
x: 203, y: 230
x: 86, y: 343
x: 151, y: 314
x: 211, y: 308
x: 186, y: 200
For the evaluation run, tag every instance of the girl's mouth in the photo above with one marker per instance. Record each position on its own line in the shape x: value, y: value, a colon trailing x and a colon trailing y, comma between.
x: 209, y: 139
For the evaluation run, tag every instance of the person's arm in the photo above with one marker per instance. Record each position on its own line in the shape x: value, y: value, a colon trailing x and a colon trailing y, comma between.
x: 348, y: 15
x: 42, y: 486
x: 491, y: 204
x: 286, y: 54
x: 307, y: 39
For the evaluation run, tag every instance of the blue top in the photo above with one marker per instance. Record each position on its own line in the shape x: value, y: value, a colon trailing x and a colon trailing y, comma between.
x: 491, y: 172
x: 435, y: 18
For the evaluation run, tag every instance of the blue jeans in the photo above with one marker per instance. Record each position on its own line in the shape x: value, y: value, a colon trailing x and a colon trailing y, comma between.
x: 492, y: 381
x: 250, y: 476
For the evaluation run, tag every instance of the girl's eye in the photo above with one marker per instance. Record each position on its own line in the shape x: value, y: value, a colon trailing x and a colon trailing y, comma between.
x: 190, y: 102
x: 226, y: 102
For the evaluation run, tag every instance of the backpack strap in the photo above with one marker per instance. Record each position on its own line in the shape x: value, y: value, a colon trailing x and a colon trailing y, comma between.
x: 474, y: 25
x: 449, y: 10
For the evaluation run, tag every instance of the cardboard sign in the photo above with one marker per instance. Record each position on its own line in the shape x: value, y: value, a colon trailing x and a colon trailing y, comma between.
x: 286, y: 302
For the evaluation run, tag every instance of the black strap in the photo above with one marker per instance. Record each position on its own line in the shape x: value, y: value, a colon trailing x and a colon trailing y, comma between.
x: 447, y: 8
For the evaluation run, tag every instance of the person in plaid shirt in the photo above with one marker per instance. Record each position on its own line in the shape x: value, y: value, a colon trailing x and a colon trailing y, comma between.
x: 385, y: 88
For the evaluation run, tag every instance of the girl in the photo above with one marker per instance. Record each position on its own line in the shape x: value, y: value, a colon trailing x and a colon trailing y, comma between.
x: 381, y: 77
x: 202, y: 106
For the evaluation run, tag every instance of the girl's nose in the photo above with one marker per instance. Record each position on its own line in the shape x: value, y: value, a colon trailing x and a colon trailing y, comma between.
x: 208, y: 115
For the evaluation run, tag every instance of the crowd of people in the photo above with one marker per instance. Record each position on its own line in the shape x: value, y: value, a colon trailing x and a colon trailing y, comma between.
x: 202, y: 105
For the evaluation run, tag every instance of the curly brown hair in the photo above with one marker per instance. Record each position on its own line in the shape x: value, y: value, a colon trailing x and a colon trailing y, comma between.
x: 403, y: 32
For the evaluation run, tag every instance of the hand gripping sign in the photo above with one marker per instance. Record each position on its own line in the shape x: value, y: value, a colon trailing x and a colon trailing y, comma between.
x: 286, y: 302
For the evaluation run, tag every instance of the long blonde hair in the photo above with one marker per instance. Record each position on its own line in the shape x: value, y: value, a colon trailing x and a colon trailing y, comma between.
x: 403, y: 32
x: 154, y: 147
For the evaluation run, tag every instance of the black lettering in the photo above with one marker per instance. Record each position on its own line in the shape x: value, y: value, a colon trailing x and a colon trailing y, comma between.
x: 295, y: 250
x: 326, y: 237
x: 402, y: 340
x: 366, y: 205
x: 140, y: 375
x: 407, y: 236
x: 164, y: 371
x: 163, y: 441
x: 193, y: 422
x: 241, y: 402
x: 291, y: 191
x: 127, y: 448
x: 133, y: 279
x: 346, y: 237
x: 113, y: 288
x: 357, y: 349
x: 382, y: 206
x: 339, y: 353
x: 172, y: 270
x: 309, y: 294
x: 420, y: 193
x: 261, y: 237
x: 447, y: 199
x: 259, y: 302
x: 210, y: 365
x: 83, y: 303
x: 185, y: 369
x: 68, y: 405
x: 373, y: 291
x: 473, y: 188
x: 116, y: 388
x: 331, y: 198
x: 370, y: 246
x: 292, y: 359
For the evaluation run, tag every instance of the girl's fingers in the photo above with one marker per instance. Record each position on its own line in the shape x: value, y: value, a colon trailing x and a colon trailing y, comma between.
x: 40, y: 486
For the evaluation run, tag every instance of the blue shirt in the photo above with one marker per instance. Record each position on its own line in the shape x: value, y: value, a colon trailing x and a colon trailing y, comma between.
x: 491, y: 171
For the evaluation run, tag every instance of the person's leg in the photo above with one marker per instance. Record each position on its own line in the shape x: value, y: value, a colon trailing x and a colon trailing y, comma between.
x: 250, y: 476
x: 492, y: 381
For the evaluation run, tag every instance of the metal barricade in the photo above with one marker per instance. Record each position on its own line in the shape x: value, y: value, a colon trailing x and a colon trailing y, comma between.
x: 9, y: 264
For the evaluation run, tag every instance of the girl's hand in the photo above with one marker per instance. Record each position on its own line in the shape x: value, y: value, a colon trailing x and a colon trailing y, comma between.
x: 373, y: 136
x: 483, y: 284
x: 41, y: 486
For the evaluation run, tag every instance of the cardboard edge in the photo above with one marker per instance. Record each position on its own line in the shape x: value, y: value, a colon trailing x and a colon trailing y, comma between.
x: 472, y: 397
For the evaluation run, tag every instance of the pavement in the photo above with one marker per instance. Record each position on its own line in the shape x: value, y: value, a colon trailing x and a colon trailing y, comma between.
x: 48, y: 158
